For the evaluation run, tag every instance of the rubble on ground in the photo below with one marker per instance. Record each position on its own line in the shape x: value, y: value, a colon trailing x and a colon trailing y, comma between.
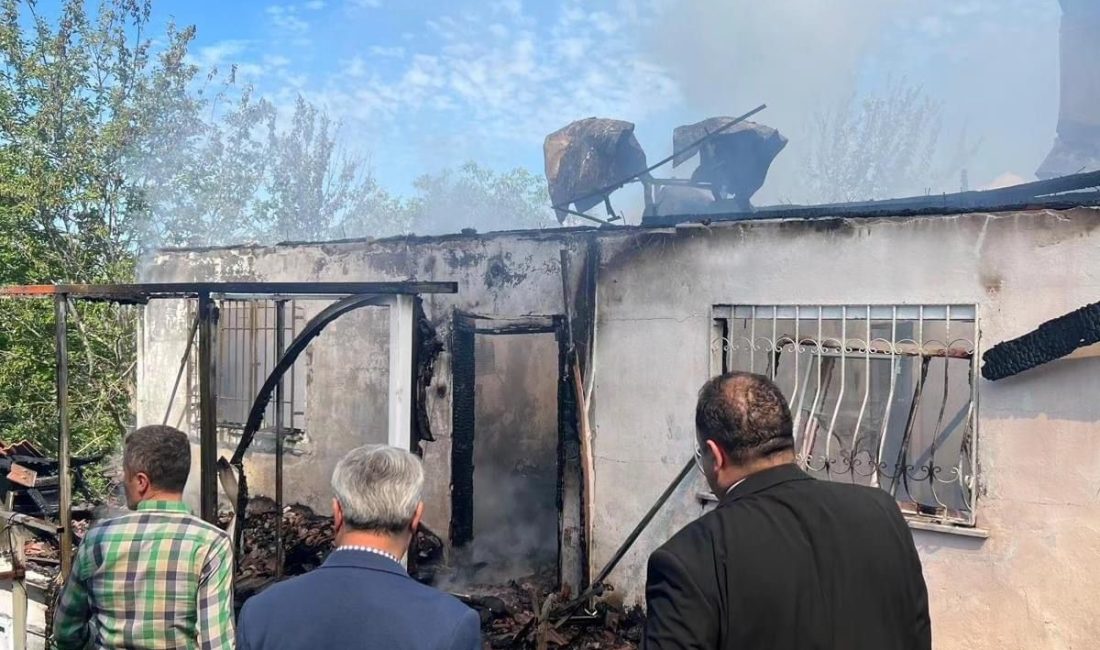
x: 307, y: 541
x: 509, y: 612
x: 523, y: 614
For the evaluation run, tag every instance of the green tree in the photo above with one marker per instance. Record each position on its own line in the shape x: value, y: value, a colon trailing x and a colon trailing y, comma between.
x: 876, y: 147
x: 476, y: 197
x: 75, y: 94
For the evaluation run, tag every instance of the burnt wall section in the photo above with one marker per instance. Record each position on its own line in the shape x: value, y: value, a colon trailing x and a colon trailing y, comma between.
x: 1037, y: 452
x: 500, y: 275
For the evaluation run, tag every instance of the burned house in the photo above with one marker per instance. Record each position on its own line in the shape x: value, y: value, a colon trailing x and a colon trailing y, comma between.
x: 553, y: 392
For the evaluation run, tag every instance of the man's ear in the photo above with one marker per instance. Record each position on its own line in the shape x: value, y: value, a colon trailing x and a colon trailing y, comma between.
x: 144, y: 485
x: 720, y: 458
x: 417, y: 516
x: 337, y: 514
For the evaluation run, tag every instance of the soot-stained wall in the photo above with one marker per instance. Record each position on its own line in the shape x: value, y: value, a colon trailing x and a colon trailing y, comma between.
x: 1029, y: 584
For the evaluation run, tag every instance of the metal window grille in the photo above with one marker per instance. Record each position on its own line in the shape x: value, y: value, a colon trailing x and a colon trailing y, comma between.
x: 245, y: 355
x: 883, y: 396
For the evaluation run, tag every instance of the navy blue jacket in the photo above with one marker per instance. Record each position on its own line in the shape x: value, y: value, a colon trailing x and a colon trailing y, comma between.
x: 356, y: 600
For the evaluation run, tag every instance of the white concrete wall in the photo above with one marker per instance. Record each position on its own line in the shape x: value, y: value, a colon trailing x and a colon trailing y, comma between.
x: 1032, y: 583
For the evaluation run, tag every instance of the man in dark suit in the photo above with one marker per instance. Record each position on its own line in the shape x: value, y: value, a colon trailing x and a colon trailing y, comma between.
x: 361, y: 597
x: 784, y: 561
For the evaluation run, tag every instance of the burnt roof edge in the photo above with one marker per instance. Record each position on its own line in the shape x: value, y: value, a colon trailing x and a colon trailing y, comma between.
x: 1064, y: 193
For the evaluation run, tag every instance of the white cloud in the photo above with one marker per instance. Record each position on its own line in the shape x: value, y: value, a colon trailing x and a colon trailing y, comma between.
x: 367, y: 4
x: 315, y: 5
x: 387, y: 52
x: 286, y: 17
x: 487, y: 83
x: 355, y: 67
x: 219, y: 54
x: 511, y: 81
x: 276, y: 61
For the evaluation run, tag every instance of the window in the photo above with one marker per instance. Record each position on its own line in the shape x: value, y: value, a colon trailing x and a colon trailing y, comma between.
x: 880, y: 395
x: 245, y: 355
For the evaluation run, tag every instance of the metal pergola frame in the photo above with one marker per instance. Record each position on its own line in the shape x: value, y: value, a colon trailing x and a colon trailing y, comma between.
x: 398, y: 296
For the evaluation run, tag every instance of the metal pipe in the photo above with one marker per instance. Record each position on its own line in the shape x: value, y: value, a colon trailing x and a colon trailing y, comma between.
x: 65, y: 480
x: 208, y: 432
x: 280, y: 347
x: 597, y: 583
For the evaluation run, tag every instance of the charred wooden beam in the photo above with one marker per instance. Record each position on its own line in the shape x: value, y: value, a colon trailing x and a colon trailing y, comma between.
x: 1052, y: 340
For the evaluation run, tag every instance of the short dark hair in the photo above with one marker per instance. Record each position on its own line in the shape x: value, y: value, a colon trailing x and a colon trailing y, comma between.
x: 162, y: 453
x: 746, y: 415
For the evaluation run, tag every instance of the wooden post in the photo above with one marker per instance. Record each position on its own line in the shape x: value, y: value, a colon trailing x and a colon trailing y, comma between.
x: 402, y: 322
x: 64, y: 476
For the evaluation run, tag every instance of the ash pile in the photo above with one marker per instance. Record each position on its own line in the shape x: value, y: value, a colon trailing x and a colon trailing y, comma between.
x: 525, y: 614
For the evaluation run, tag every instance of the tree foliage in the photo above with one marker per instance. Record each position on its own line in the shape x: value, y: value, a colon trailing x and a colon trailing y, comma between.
x: 875, y: 147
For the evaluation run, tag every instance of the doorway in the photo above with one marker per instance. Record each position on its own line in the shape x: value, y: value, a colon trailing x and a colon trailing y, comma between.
x: 515, y: 461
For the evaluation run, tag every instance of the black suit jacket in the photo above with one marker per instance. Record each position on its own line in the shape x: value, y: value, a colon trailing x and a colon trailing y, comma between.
x: 787, y: 561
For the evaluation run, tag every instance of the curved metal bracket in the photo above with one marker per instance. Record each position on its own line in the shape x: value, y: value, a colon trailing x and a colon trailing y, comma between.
x: 256, y: 415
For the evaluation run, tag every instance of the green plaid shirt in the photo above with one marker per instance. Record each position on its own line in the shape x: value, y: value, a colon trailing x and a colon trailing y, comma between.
x: 155, y: 578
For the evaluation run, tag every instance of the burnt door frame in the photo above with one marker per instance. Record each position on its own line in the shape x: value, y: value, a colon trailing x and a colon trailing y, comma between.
x: 463, y: 421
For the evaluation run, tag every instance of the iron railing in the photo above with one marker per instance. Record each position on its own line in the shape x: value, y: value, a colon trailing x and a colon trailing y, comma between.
x: 881, y: 395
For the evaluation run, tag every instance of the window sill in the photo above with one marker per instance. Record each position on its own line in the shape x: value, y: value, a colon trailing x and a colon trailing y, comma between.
x: 946, y: 529
x: 914, y: 522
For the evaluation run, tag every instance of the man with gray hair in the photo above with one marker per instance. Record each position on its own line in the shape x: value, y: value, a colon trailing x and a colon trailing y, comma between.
x: 361, y: 597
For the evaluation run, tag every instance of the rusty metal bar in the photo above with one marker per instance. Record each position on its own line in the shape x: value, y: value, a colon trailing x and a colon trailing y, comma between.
x: 898, y: 349
x: 280, y: 347
x: 144, y: 292
x: 183, y: 367
x: 9, y: 516
x: 208, y: 422
x: 65, y: 480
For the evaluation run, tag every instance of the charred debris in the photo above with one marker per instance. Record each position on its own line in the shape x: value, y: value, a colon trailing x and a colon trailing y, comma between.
x: 589, y: 159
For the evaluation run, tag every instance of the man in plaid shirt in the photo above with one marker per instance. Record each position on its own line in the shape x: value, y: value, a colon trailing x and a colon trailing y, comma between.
x: 155, y: 578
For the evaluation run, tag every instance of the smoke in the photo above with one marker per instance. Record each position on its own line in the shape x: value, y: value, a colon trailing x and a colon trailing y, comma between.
x: 515, y: 529
x: 791, y: 54
x: 991, y: 66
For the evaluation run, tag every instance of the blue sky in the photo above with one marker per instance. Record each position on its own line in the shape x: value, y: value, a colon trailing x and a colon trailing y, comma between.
x: 420, y: 86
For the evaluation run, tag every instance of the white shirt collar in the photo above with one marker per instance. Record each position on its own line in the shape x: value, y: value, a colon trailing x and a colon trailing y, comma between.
x: 367, y: 549
x: 734, y: 485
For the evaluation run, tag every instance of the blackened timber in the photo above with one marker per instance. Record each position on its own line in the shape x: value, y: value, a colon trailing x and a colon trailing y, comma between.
x: 208, y: 433
x: 604, y: 191
x: 462, y: 431
x: 1052, y: 340
x: 182, y: 369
